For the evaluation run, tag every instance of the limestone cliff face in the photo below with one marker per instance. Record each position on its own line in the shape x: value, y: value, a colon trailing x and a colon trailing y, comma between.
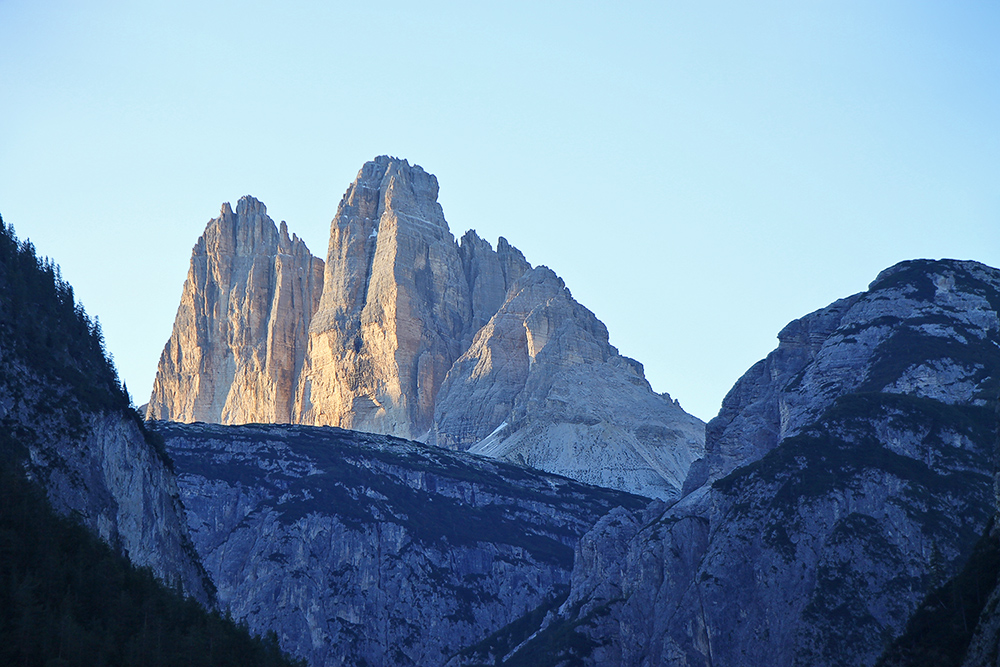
x: 541, y: 385
x: 98, y: 466
x: 414, y: 335
x: 401, y: 302
x: 490, y: 275
x: 108, y: 476
x: 395, y: 307
x: 868, y: 456
x: 241, y: 331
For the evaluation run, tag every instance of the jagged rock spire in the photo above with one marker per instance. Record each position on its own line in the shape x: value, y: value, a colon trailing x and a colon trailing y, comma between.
x: 241, y: 331
x: 413, y: 334
x: 395, y: 306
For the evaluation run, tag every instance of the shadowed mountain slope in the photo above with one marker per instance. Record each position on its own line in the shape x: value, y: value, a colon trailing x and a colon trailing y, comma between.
x: 846, y: 474
x: 64, y: 412
x: 366, y: 549
x: 77, y: 466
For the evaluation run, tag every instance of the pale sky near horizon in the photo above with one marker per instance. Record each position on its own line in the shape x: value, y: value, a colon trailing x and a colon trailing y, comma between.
x: 699, y: 173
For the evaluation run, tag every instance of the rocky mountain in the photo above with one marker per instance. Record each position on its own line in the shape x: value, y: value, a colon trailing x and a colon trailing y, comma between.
x: 845, y: 507
x: 241, y: 333
x: 414, y: 335
x: 397, y: 307
x: 366, y: 549
x: 846, y: 476
x: 566, y: 401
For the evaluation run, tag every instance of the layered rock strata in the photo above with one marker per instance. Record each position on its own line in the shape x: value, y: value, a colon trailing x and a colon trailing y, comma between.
x: 414, y: 335
x: 241, y: 332
x: 867, y: 443
x: 366, y: 549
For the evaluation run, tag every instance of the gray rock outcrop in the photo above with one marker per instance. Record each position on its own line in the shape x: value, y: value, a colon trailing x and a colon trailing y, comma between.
x: 241, y: 332
x: 395, y: 307
x: 414, y: 335
x: 562, y: 398
x: 867, y: 441
x: 366, y: 549
x: 758, y: 411
x: 106, y: 474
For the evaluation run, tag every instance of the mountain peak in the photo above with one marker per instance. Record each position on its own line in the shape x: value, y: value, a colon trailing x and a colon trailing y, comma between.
x: 249, y: 206
x: 241, y: 329
x: 402, y: 304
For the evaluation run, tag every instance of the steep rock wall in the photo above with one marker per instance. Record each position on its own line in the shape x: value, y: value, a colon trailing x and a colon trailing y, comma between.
x: 241, y: 332
x: 394, y: 310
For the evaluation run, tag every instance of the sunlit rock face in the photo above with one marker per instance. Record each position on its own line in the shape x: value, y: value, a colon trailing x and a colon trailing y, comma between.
x: 564, y: 399
x: 395, y: 307
x: 241, y: 331
x: 367, y: 549
x: 845, y: 474
x: 418, y: 336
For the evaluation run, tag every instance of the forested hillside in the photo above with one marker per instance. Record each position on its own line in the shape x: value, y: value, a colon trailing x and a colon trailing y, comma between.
x: 66, y: 597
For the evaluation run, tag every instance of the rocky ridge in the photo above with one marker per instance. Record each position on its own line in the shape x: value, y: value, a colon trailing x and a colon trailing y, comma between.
x: 845, y: 474
x: 566, y: 401
x: 366, y: 549
x: 414, y: 335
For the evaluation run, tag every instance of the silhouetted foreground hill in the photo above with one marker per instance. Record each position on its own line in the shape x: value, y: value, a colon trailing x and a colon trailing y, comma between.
x: 67, y: 599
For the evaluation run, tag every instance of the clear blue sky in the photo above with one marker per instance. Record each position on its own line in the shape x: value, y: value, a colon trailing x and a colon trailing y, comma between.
x: 699, y: 173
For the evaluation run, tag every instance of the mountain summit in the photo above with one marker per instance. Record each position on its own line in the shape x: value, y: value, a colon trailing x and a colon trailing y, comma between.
x: 397, y: 307
x: 413, y: 334
x: 241, y: 331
